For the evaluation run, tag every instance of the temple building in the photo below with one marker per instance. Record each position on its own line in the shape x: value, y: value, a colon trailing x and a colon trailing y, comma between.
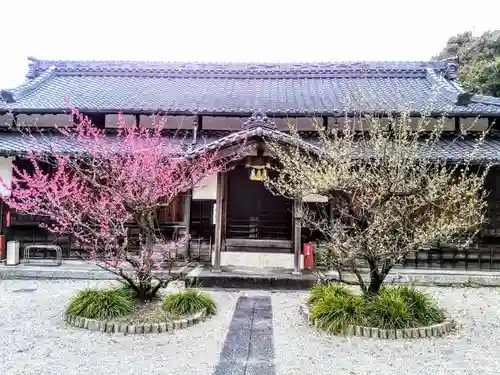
x: 231, y: 217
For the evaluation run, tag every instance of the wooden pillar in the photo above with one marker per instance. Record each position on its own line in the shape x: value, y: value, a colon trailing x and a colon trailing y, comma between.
x: 224, y: 211
x: 219, y: 218
x: 297, y: 226
x: 187, y: 221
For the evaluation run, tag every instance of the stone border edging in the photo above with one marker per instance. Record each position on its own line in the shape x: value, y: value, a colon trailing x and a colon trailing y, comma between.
x: 124, y: 328
x: 436, y: 330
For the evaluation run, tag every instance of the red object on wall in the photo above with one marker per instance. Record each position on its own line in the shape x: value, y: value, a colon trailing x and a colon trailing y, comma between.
x: 308, y: 256
x: 2, y: 246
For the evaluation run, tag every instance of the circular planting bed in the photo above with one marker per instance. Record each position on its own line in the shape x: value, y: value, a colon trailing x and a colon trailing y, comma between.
x: 435, y: 330
x: 129, y: 328
x: 398, y: 312
x: 115, y: 310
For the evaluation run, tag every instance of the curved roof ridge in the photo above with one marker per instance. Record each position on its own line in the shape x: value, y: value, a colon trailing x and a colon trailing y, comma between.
x: 243, y: 69
x: 31, y: 84
x: 454, y: 91
x: 443, y: 85
x: 477, y: 98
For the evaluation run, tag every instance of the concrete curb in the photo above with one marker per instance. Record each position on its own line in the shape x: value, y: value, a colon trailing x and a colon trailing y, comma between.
x: 202, y: 274
x: 31, y: 272
x: 431, y: 277
x: 129, y: 329
x: 436, y: 330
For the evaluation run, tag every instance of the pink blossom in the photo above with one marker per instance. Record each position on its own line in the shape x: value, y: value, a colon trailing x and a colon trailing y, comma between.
x: 95, y: 195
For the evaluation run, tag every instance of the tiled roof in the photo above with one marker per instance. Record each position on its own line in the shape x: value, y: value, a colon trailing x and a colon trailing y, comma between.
x: 17, y: 143
x: 208, y: 88
x: 450, y: 149
x: 453, y: 150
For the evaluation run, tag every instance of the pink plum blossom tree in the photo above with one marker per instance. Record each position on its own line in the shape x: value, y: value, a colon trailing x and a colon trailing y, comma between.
x: 114, y: 180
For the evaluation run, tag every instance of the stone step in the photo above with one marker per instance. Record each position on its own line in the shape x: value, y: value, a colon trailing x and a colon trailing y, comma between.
x: 252, y: 278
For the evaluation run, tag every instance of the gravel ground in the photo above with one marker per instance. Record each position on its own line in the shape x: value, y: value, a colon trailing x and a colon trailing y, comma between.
x: 35, y: 340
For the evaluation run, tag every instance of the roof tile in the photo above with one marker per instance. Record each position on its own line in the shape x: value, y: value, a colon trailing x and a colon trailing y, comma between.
x: 452, y: 150
x: 315, y: 88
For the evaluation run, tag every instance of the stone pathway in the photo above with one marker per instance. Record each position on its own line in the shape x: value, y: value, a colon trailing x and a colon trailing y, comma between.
x: 249, y: 348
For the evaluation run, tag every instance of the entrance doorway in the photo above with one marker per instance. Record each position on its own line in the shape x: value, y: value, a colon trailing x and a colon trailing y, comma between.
x: 253, y: 212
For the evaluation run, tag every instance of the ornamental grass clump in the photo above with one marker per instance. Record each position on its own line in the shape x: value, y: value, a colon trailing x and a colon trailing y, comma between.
x: 424, y: 310
x: 188, y: 302
x: 334, y: 308
x: 389, y: 310
x: 335, y: 312
x: 320, y: 291
x: 105, y: 304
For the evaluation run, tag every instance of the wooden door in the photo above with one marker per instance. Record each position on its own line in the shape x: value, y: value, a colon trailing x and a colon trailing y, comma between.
x: 253, y: 212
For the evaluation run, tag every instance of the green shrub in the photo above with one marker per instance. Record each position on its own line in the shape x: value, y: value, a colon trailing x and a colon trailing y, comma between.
x: 335, y: 312
x: 389, y: 310
x: 127, y: 289
x: 105, y: 304
x: 320, y: 291
x: 189, y: 301
x: 395, y: 307
x: 422, y: 307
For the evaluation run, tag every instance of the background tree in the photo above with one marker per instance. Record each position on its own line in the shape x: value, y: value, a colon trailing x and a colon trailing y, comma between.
x: 115, y: 180
x: 478, y: 60
x: 388, y: 193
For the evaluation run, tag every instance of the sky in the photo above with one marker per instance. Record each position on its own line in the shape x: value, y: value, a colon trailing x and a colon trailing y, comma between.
x: 224, y: 30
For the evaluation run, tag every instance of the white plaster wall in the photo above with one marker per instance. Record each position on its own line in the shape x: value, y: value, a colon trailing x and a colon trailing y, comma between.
x: 474, y: 124
x: 431, y: 123
x: 111, y: 121
x: 5, y: 120
x: 364, y: 123
x: 301, y: 123
x: 355, y: 123
x: 222, y: 123
x: 5, y: 175
x: 259, y: 260
x: 206, y: 189
x: 170, y: 122
x: 42, y: 121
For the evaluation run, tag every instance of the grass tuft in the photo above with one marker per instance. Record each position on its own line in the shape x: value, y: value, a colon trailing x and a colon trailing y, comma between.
x: 388, y: 310
x: 337, y: 311
x: 423, y: 309
x: 188, y: 302
x: 102, y: 304
x: 320, y: 291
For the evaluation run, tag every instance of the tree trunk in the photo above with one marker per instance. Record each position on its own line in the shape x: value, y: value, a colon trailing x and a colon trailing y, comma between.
x: 145, y: 289
x: 375, y: 284
x: 377, y: 278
